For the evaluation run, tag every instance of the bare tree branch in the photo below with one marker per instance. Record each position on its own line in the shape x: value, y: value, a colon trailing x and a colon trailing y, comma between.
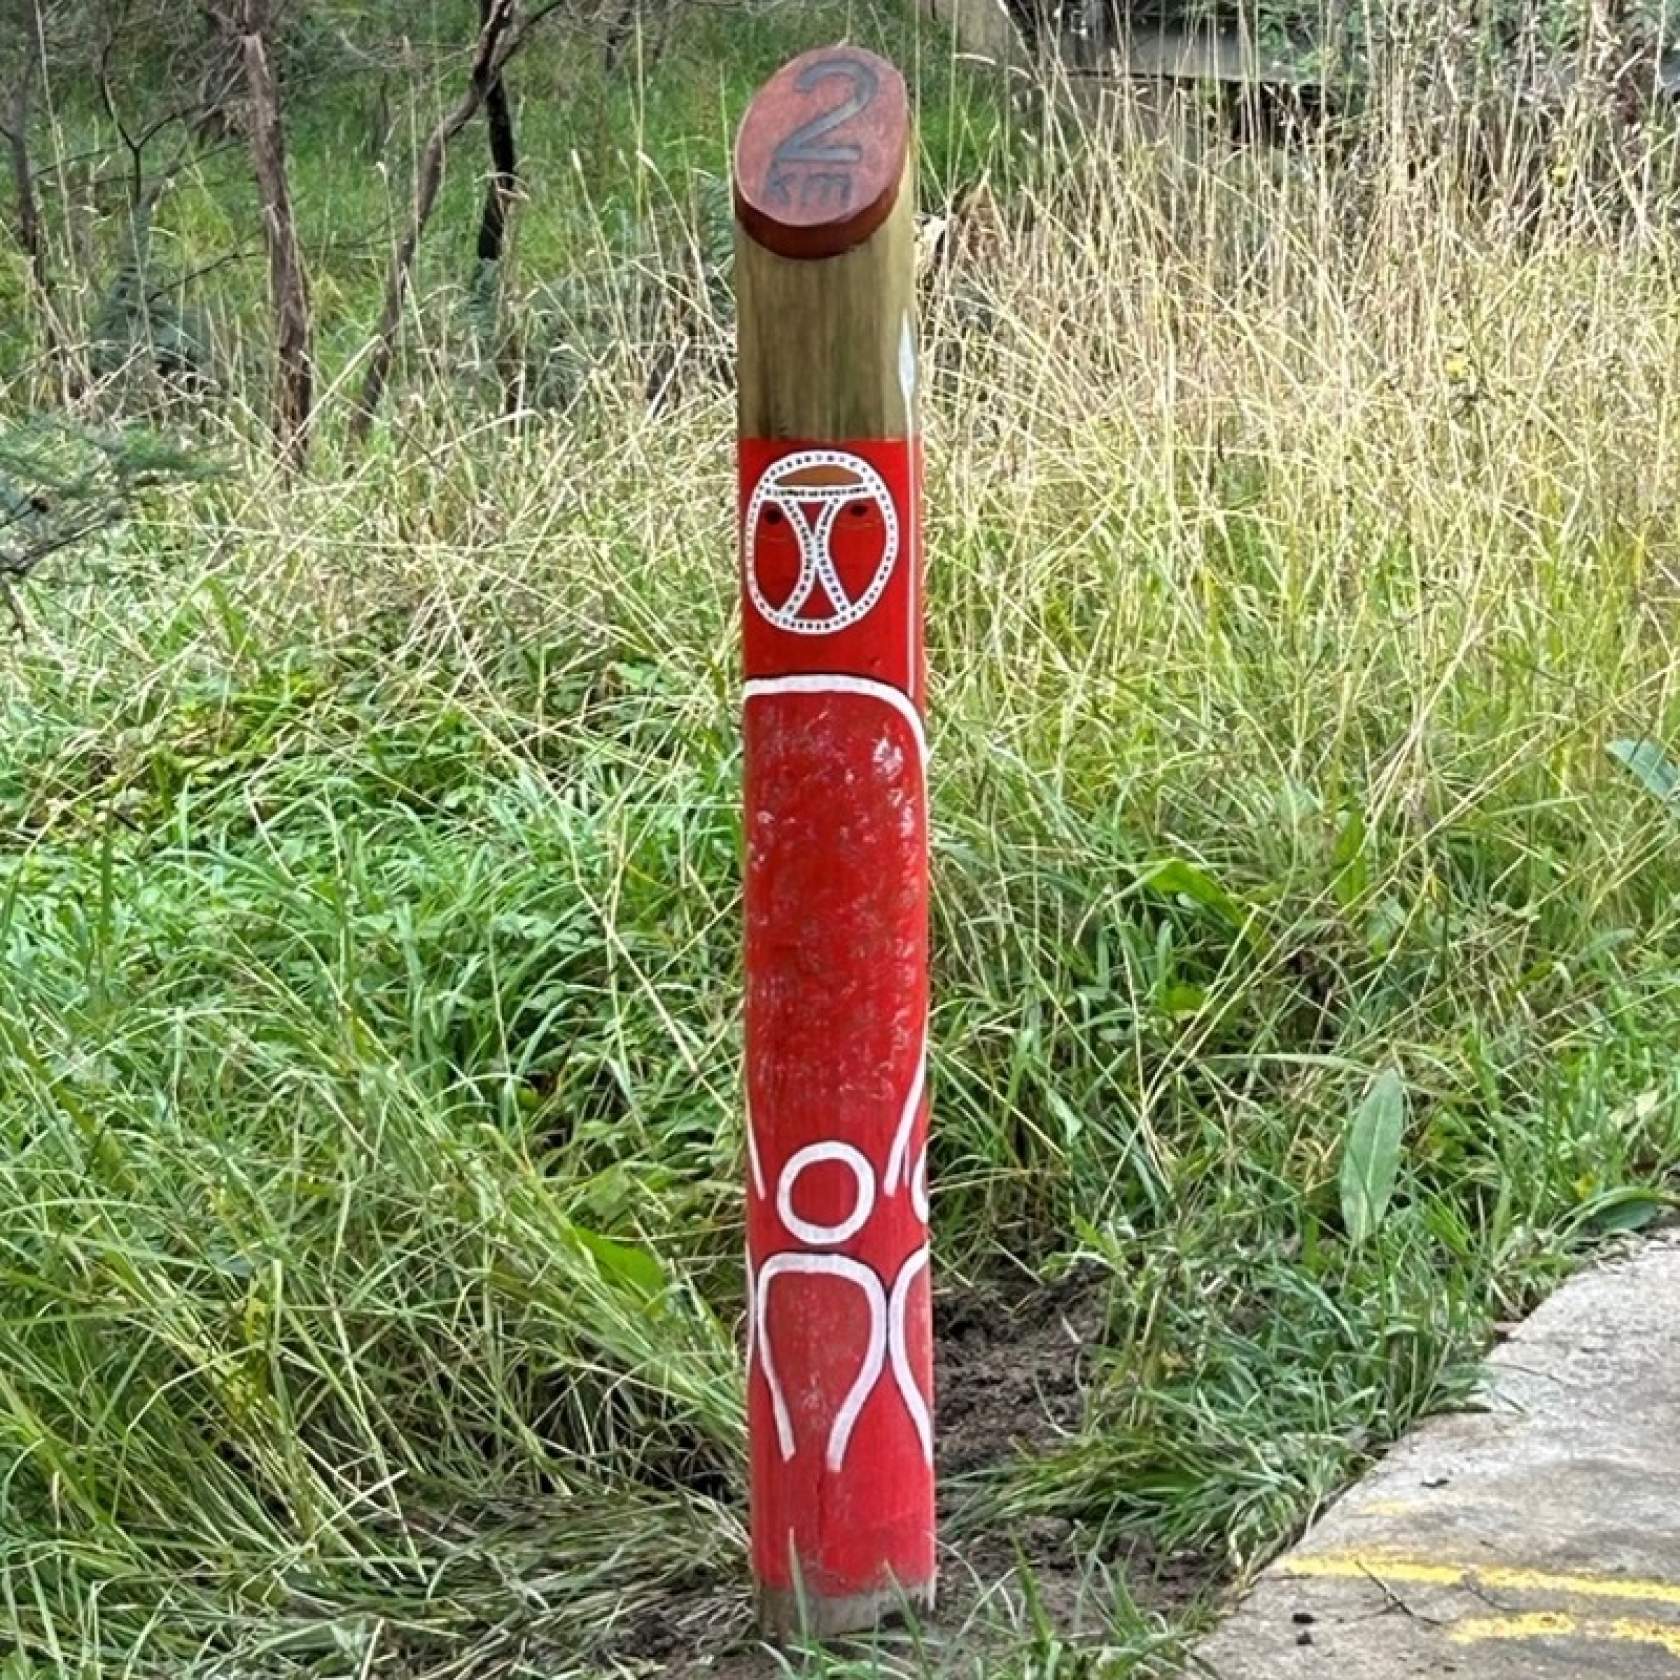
x: 499, y: 37
x: 504, y: 161
x: 294, y: 369
x: 30, y: 238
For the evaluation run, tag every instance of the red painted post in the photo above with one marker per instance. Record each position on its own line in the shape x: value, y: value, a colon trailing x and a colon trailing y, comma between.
x: 840, y: 1325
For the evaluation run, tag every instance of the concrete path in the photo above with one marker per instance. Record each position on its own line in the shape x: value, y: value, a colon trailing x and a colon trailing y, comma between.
x: 1536, y: 1540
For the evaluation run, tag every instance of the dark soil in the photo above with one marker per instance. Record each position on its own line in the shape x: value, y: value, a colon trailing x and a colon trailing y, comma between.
x: 1011, y: 1369
x: 1010, y: 1372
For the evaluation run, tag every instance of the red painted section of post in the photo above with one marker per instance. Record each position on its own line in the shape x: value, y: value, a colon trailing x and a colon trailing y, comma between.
x: 840, y: 1392
x: 840, y: 1382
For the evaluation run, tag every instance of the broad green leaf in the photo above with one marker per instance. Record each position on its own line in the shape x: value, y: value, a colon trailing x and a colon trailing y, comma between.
x: 1353, y: 869
x: 1176, y: 877
x: 623, y: 1262
x: 1630, y: 1208
x: 1072, y: 1122
x: 1384, y: 925
x: 236, y: 625
x: 1371, y: 1156
x: 1656, y: 771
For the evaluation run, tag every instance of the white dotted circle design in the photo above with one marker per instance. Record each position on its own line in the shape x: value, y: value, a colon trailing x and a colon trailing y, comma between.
x: 862, y: 1206
x: 816, y: 558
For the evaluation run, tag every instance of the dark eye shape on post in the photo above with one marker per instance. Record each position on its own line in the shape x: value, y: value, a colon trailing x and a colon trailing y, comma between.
x: 858, y: 509
x: 773, y: 516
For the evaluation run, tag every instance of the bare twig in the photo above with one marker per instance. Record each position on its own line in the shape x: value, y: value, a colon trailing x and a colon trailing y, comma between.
x: 501, y: 35
x: 14, y: 607
x: 1396, y: 1602
x: 16, y: 131
x: 294, y: 373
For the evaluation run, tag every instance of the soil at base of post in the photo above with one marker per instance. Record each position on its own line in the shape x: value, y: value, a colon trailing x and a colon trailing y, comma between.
x: 786, y: 1614
x: 1014, y: 1364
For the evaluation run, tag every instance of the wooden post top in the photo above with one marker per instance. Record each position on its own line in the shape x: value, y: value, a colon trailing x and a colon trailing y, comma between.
x: 820, y: 159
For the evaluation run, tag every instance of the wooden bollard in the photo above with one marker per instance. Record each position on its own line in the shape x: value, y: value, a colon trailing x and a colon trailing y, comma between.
x: 840, y: 1357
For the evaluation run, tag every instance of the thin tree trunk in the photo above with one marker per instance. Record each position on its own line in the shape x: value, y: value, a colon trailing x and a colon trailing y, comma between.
x: 984, y: 28
x: 504, y: 161
x: 497, y: 42
x: 288, y: 287
x: 499, y: 196
x: 619, y: 31
x: 30, y: 238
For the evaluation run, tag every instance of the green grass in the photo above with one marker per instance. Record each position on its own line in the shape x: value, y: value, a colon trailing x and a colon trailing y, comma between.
x: 370, y: 1146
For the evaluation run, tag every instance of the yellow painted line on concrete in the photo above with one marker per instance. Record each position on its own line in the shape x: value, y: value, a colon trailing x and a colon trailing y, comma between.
x: 1550, y: 1624
x: 1390, y: 1566
x: 1648, y: 1633
x: 1543, y: 1624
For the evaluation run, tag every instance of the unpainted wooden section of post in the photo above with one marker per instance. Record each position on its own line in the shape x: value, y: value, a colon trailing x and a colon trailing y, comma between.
x: 822, y: 343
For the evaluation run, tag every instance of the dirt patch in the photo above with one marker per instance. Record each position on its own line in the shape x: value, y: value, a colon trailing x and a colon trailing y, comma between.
x: 697, y: 1631
x: 1013, y: 1369
x: 1010, y: 1370
x: 1011, y: 1366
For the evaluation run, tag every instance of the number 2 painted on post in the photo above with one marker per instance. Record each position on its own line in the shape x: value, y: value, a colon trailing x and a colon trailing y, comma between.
x: 801, y: 146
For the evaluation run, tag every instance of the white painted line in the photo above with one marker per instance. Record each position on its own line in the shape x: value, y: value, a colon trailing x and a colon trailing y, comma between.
x: 863, y: 1201
x: 822, y: 683
x: 874, y: 1357
x: 914, y: 1403
x: 898, y: 1161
